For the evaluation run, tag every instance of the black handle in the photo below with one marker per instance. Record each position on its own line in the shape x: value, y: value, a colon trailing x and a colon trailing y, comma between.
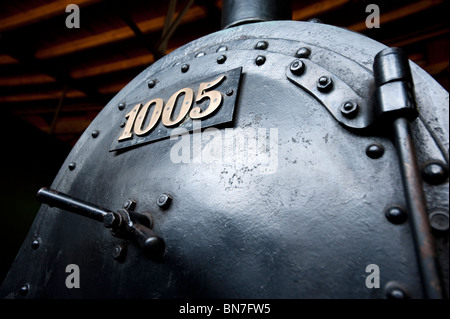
x: 118, y: 222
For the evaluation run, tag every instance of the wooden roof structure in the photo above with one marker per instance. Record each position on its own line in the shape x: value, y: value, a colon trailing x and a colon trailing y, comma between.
x: 59, y: 78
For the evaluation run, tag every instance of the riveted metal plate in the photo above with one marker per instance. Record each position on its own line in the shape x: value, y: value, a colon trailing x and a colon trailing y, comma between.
x: 228, y: 82
x: 335, y: 97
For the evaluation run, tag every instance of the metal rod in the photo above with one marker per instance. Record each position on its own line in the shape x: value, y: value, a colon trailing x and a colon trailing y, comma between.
x: 418, y: 216
x: 58, y: 108
x: 165, y: 38
x: 54, y: 198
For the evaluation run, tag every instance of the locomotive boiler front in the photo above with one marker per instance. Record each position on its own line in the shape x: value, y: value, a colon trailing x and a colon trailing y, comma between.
x: 271, y: 159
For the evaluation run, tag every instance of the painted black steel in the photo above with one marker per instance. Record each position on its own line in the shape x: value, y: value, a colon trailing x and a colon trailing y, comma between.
x: 395, y: 95
x: 306, y: 225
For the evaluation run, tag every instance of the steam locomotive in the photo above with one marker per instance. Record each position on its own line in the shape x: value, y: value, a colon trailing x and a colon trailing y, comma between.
x: 271, y: 159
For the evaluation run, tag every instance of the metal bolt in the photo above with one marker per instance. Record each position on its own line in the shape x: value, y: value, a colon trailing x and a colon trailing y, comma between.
x: 129, y: 204
x: 184, y: 68
x: 35, y: 243
x: 151, y: 84
x: 375, y: 150
x: 315, y: 20
x: 396, y: 293
x: 221, y: 59
x: 303, y: 53
x: 349, y: 109
x: 121, y: 106
x: 119, y: 252
x: 112, y: 220
x: 439, y: 221
x: 164, y: 201
x: 201, y: 53
x: 324, y: 84
x: 222, y: 48
x: 24, y: 289
x: 261, y: 45
x: 72, y: 165
x: 297, y: 67
x: 260, y: 60
x: 95, y: 133
x: 229, y: 92
x: 435, y: 173
x: 396, y: 215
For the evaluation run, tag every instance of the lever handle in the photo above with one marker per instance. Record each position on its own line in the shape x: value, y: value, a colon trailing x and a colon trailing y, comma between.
x: 123, y: 225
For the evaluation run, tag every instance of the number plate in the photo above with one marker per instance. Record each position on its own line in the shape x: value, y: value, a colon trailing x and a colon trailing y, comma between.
x: 211, y: 100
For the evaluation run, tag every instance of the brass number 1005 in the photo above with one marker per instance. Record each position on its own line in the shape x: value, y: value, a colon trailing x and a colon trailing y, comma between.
x: 136, y: 117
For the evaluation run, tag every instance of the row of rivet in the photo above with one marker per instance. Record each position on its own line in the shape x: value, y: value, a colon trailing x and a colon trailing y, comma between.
x: 433, y: 173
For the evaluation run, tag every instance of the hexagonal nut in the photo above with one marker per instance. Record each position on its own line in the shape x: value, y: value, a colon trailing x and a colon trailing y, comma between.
x: 297, y: 67
x: 349, y: 109
x: 164, y: 201
x: 119, y: 252
x: 324, y: 83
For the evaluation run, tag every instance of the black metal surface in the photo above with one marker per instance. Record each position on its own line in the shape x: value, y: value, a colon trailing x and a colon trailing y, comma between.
x: 395, y: 95
x: 123, y: 224
x: 415, y: 198
x: 305, y: 225
x: 238, y: 12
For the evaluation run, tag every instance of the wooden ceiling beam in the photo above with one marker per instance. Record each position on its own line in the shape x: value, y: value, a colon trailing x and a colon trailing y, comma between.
x: 118, y: 34
x: 50, y: 95
x: 105, y: 68
x: 316, y: 9
x: 27, y: 79
x: 40, y: 13
x: 6, y: 59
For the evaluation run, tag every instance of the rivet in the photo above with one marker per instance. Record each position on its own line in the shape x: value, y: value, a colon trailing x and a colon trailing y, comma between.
x: 260, y: 60
x: 121, y: 106
x: 164, y: 201
x: 297, y: 67
x: 435, y: 173
x: 349, y: 109
x: 303, y: 53
x: 324, y: 83
x: 119, y: 252
x: 439, y: 221
x: 395, y: 290
x: 35, y: 243
x: 72, y: 165
x: 261, y: 45
x: 229, y: 92
x: 375, y: 150
x: 315, y: 20
x: 123, y: 124
x: 221, y: 59
x: 396, y: 293
x: 25, y: 289
x: 222, y: 48
x: 396, y: 215
x: 201, y: 53
x: 184, y: 68
x: 95, y: 133
x: 151, y: 84
x: 129, y: 204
